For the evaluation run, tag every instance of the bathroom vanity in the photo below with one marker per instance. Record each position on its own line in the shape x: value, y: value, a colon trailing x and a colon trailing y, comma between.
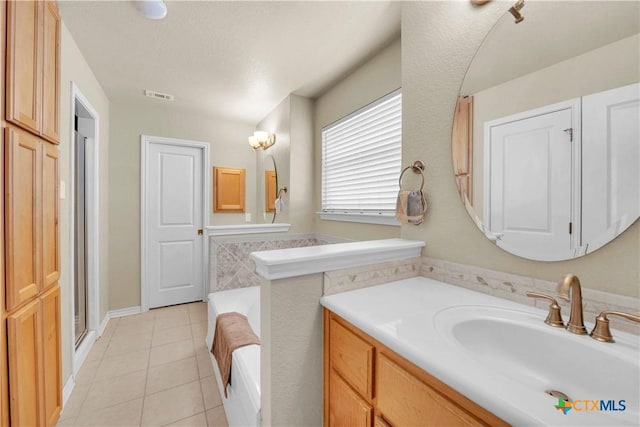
x: 421, y: 352
x: 365, y: 380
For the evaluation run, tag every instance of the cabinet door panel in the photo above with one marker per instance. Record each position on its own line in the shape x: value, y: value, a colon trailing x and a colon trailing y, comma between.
x: 405, y: 400
x: 352, y: 357
x: 23, y: 63
x: 50, y: 246
x: 51, y: 73
x: 22, y: 205
x: 52, y: 381
x: 24, y: 368
x: 346, y: 408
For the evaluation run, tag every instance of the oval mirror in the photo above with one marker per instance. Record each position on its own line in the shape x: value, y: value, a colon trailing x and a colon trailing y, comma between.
x: 545, y: 138
x: 269, y: 177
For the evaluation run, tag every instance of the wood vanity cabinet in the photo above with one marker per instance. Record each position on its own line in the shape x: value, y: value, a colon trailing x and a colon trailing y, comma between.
x: 30, y: 353
x: 366, y: 383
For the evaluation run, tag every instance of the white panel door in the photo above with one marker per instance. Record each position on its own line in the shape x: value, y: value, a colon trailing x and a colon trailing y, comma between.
x: 174, y: 218
x: 611, y: 164
x: 530, y: 185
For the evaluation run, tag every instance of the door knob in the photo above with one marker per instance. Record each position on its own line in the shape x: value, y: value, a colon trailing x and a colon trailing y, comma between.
x: 200, y: 232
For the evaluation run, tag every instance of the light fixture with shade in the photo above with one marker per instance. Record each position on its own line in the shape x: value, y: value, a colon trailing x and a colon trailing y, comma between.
x: 261, y: 140
x: 152, y: 9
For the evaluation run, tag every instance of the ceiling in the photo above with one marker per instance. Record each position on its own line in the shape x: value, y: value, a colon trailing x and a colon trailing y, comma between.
x: 552, y: 31
x: 233, y: 59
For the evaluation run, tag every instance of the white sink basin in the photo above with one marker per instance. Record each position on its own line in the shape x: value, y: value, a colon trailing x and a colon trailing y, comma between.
x: 519, y: 345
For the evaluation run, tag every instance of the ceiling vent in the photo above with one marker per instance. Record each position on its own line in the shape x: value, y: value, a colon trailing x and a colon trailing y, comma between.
x: 158, y: 95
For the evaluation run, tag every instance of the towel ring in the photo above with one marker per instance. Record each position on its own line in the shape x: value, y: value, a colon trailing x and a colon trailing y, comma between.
x: 416, y: 167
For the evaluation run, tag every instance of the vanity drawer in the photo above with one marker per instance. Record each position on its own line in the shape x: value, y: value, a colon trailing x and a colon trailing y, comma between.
x: 352, y: 357
x: 420, y: 404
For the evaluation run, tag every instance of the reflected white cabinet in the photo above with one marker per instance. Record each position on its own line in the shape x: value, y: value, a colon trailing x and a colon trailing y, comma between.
x: 564, y: 179
x: 610, y: 159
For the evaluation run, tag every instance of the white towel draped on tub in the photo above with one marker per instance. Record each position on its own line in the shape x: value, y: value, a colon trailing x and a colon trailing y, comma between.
x: 411, y: 207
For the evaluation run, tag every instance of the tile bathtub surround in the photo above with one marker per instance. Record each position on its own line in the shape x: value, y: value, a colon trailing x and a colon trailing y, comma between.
x: 150, y: 369
x: 514, y: 287
x: 370, y: 275
x: 229, y: 263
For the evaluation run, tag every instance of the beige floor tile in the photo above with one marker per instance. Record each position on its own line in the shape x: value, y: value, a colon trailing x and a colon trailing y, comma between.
x: 205, y: 368
x: 87, y: 372
x: 171, y: 352
x: 171, y: 320
x: 123, y: 414
x: 166, y: 336
x: 171, y: 374
x: 199, y: 420
x: 134, y: 327
x: 112, y: 324
x: 122, y: 364
x: 74, y: 403
x: 112, y: 391
x: 172, y: 405
x: 67, y: 422
x: 210, y: 392
x: 198, y: 316
x: 216, y: 417
x: 199, y: 330
x: 122, y: 344
x: 97, y: 350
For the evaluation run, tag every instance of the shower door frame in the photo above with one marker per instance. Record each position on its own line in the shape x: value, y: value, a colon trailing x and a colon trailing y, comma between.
x: 92, y: 247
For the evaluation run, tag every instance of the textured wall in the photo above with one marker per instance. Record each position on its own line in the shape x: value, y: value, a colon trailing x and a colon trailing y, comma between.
x: 373, y: 79
x: 228, y: 147
x: 439, y: 40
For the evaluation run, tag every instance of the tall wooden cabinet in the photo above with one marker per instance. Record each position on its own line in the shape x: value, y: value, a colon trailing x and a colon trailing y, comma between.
x: 30, y: 354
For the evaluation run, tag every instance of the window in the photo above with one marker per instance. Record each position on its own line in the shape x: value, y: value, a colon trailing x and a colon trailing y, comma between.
x: 361, y: 162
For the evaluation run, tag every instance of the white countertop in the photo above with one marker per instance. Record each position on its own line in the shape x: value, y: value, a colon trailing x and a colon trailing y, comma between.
x: 401, y: 316
x: 282, y: 263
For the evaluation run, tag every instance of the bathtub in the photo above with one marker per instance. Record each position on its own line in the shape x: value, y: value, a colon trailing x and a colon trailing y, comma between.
x: 242, y: 404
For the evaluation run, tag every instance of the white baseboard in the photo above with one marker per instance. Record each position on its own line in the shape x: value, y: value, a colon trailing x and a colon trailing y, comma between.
x: 124, y: 312
x: 103, y: 325
x: 67, y: 389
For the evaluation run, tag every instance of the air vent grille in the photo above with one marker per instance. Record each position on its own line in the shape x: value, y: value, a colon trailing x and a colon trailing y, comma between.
x: 158, y: 95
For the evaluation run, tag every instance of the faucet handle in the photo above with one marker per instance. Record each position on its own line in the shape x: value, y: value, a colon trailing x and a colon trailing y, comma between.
x: 554, y: 318
x: 601, y: 331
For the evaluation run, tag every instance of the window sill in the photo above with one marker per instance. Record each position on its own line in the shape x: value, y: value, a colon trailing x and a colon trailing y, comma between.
x: 364, y: 218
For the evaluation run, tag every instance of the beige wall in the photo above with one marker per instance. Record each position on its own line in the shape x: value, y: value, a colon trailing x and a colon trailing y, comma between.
x: 292, y: 122
x: 559, y: 82
x: 375, y: 78
x: 439, y: 40
x: 277, y: 122
x: 75, y: 69
x: 228, y: 147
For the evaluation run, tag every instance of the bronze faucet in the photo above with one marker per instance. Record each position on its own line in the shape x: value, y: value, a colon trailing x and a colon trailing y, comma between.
x: 601, y: 331
x: 570, y: 286
x: 554, y: 318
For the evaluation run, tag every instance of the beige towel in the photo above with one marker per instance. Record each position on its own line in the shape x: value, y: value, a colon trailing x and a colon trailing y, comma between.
x: 410, y: 207
x: 232, y: 331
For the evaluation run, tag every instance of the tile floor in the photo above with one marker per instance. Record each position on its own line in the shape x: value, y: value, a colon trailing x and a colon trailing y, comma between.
x: 151, y: 369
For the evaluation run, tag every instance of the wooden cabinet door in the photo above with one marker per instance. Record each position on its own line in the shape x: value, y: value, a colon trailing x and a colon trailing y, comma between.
x: 50, y: 244
x: 229, y: 189
x: 51, y: 372
x: 346, y: 407
x: 23, y: 166
x: 24, y: 335
x: 51, y: 72
x: 24, y: 63
x: 404, y: 400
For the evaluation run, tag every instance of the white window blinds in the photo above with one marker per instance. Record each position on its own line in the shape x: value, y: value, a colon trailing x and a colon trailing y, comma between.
x: 361, y: 158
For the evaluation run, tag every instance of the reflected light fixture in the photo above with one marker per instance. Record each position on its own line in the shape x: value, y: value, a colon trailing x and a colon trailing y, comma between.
x: 261, y: 140
x: 152, y: 9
